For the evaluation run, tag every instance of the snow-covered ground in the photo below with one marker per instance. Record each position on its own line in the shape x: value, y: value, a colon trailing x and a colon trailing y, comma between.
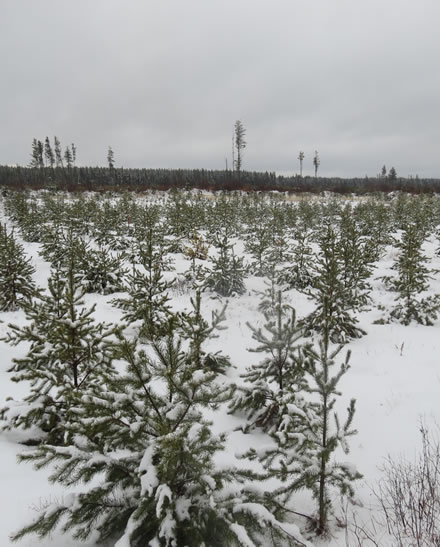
x: 394, y: 376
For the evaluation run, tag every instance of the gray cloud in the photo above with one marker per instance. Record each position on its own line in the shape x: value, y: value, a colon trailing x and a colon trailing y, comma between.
x: 164, y: 81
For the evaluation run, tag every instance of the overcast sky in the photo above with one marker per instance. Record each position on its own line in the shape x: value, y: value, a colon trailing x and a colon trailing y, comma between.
x: 163, y: 81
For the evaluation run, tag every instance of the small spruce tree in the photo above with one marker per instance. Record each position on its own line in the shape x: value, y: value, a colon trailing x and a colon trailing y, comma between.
x: 320, y: 472
x: 356, y: 261
x: 16, y: 283
x: 226, y: 277
x: 272, y: 384
x: 412, y: 280
x: 148, y: 294
x: 305, y: 442
x: 103, y: 271
x: 68, y: 353
x: 298, y: 274
x: 334, y: 311
x: 196, y: 330
x: 63, y: 248
x: 257, y: 242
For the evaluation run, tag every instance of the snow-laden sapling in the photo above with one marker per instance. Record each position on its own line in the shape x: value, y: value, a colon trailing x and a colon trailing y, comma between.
x: 151, y: 241
x: 183, y: 216
x: 320, y: 472
x: 144, y: 445
x: 112, y: 223
x: 304, y: 443
x: 334, y: 303
x: 223, y: 217
x: 148, y: 298
x: 298, y: 274
x: 226, y: 276
x: 196, y: 330
x: 197, y: 248
x: 80, y: 214
x: 271, y: 385
x: 278, y: 251
x: 269, y: 297
x: 69, y: 352
x: 412, y: 280
x: 27, y: 214
x: 256, y: 242
x: 355, y: 256
x: 374, y: 219
x: 63, y: 248
x: 103, y: 271
x: 196, y: 252
x: 16, y: 283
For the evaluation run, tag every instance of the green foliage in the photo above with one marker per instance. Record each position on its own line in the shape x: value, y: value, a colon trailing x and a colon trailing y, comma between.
x: 356, y: 261
x: 333, y: 315
x: 304, y: 442
x: 308, y: 213
x: 138, y: 437
x: 412, y: 280
x: 298, y: 274
x: 278, y: 252
x: 413, y: 275
x: 226, y: 277
x: 103, y: 271
x: 63, y: 248
x: 143, y: 442
x: 197, y: 248
x: 272, y: 385
x: 148, y: 297
x: 257, y: 241
x: 25, y: 213
x: 196, y: 331
x: 16, y: 283
x: 68, y: 353
x: 223, y: 217
x: 106, y: 226
x: 183, y: 216
x: 374, y: 219
x: 319, y: 472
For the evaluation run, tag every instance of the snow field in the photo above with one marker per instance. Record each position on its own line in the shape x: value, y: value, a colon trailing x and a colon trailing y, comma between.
x: 394, y: 376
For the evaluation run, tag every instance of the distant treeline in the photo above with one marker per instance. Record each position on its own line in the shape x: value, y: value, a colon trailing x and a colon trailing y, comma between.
x: 105, y: 178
